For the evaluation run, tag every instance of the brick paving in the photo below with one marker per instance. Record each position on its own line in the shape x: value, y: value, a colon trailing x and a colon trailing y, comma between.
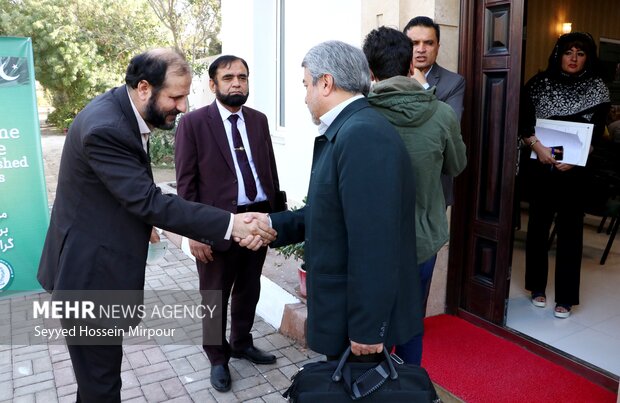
x: 156, y: 373
x: 151, y: 373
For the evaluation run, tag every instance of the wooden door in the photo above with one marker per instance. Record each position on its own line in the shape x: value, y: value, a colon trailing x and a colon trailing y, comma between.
x: 481, y: 227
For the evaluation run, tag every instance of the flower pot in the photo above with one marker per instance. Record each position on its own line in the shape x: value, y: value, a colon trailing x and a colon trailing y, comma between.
x: 302, y: 281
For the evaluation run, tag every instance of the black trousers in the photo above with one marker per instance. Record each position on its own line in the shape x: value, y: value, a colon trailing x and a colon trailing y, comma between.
x: 98, y: 372
x: 236, y: 272
x: 559, y: 195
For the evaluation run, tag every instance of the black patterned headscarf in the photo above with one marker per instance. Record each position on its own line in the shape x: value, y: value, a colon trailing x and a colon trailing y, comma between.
x: 580, y: 40
x: 555, y: 93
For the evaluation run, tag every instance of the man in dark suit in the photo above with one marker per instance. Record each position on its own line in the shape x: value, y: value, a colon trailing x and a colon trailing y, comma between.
x: 358, y: 223
x: 449, y: 86
x: 107, y: 204
x: 213, y: 169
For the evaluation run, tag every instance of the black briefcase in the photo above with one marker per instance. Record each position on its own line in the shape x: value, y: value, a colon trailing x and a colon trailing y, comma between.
x: 341, y: 381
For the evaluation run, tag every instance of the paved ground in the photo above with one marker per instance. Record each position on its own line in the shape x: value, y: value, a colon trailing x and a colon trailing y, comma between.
x: 171, y: 373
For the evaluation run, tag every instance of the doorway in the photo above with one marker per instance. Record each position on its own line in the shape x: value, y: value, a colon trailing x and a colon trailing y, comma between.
x: 493, y: 59
x: 590, y: 333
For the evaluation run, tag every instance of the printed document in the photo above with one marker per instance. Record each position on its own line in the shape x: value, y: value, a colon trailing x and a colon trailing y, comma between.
x: 574, y: 137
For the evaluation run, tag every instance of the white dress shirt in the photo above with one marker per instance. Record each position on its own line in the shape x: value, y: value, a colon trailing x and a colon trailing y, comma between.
x: 328, y: 117
x: 241, y: 197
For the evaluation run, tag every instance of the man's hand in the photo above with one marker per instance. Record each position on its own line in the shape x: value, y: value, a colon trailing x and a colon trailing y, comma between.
x: 252, y: 230
x: 365, y: 349
x: 419, y: 76
x: 154, y: 236
x: 262, y: 217
x: 201, y: 251
x: 252, y: 242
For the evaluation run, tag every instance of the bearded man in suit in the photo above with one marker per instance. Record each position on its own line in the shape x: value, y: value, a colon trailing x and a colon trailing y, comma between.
x: 224, y: 158
x: 107, y: 204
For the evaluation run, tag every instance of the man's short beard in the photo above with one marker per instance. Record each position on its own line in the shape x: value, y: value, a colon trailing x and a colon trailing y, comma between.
x: 233, y: 100
x: 156, y: 117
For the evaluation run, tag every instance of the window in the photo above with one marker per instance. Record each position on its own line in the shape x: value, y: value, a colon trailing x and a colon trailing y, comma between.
x: 280, y: 70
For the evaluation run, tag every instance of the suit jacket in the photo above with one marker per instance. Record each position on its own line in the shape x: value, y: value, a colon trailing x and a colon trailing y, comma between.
x: 449, y: 88
x: 106, y: 204
x: 204, y: 165
x: 359, y: 232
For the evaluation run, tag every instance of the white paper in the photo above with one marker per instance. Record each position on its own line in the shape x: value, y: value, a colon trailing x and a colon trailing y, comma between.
x: 156, y: 252
x: 574, y: 137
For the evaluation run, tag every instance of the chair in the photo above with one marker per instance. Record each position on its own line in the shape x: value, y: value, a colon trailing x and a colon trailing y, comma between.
x: 602, y: 202
x: 613, y: 211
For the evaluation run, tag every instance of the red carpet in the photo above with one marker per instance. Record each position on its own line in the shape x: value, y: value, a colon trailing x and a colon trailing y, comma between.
x: 478, y: 367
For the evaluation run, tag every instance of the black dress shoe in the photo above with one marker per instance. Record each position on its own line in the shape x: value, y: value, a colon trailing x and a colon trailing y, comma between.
x: 255, y: 355
x: 220, y: 377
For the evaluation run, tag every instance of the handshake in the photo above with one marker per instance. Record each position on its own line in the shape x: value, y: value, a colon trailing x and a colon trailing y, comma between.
x: 252, y: 230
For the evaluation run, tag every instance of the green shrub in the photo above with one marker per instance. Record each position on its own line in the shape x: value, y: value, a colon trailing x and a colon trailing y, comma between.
x: 296, y: 250
x: 161, y: 147
x: 61, y: 117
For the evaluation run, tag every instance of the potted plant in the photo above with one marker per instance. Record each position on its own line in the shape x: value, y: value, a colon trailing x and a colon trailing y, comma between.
x: 296, y: 251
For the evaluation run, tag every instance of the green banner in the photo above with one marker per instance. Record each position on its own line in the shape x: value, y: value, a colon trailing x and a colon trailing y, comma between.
x: 24, y: 213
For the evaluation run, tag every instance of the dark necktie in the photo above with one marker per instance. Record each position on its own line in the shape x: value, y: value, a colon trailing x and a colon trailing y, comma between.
x: 242, y: 160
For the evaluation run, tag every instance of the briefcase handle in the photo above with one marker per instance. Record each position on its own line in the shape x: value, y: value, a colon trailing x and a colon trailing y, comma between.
x: 369, y: 381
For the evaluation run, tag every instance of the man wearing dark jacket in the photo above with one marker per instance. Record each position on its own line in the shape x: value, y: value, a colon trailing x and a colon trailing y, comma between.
x: 358, y: 223
x: 107, y: 204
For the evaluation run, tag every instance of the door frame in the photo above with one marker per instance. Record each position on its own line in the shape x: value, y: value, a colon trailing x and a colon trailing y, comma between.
x: 481, y: 241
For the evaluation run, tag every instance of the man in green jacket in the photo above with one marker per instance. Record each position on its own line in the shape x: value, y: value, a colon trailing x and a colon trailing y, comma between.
x: 431, y: 133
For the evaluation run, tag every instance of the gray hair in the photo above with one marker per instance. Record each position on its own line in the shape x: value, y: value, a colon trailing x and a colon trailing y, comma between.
x: 346, y: 63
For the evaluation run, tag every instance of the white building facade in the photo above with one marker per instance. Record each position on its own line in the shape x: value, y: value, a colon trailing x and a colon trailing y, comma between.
x: 274, y: 35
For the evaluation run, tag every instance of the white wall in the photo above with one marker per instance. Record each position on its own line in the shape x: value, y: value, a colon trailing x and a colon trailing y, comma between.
x: 397, y: 13
x: 200, y: 94
x: 249, y: 30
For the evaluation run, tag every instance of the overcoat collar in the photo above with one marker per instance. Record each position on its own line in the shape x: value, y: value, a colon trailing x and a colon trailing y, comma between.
x: 350, y: 109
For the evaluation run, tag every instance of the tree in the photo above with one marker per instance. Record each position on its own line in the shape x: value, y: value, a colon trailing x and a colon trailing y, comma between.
x: 5, y: 5
x: 194, y: 26
x: 81, y: 47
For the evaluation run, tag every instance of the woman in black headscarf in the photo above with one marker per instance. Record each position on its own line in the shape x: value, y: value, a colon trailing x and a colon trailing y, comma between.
x: 570, y: 89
